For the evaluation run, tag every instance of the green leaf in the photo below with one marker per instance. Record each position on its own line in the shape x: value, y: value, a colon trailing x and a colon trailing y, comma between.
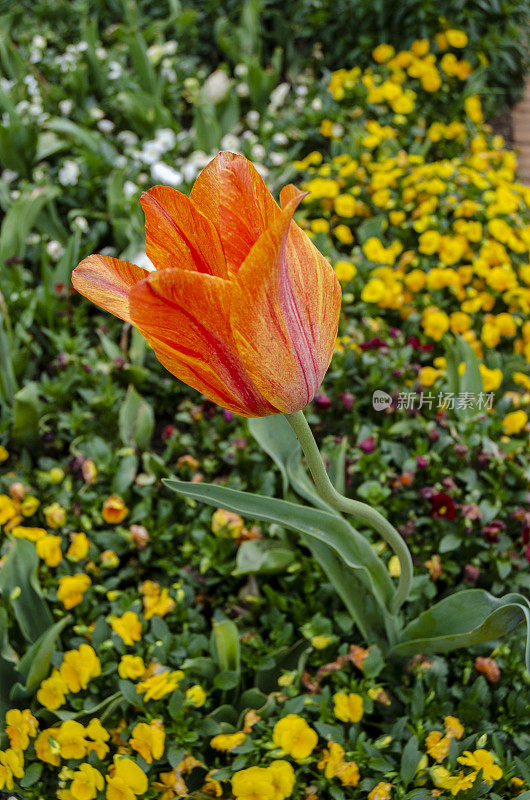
x: 20, y: 587
x: 8, y: 383
x: 136, y: 420
x: 35, y: 663
x: 410, y: 759
x: 337, y: 465
x: 458, y: 351
x: 228, y: 679
x: 225, y: 639
x: 372, y: 227
x: 93, y: 141
x: 252, y: 698
x: 466, y: 618
x: 125, y: 473
x: 277, y: 438
x: 20, y: 219
x: 348, y: 547
x: 259, y: 557
x: 31, y: 775
x: 26, y: 415
x: 8, y: 660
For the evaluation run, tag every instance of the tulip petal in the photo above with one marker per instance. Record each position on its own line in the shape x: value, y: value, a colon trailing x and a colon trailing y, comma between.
x: 107, y: 282
x: 185, y: 317
x: 232, y: 194
x: 288, y: 193
x: 285, y: 313
x: 178, y: 235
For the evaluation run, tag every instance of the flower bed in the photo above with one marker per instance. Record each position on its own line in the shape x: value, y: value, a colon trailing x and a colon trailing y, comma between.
x: 194, y: 653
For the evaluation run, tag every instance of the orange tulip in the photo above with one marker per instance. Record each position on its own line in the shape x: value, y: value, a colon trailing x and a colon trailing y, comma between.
x: 242, y: 306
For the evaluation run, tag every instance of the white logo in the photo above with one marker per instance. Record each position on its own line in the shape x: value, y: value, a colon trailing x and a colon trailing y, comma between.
x: 381, y: 400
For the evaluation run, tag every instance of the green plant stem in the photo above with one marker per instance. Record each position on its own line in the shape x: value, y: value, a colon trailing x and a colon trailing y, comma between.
x: 362, y: 511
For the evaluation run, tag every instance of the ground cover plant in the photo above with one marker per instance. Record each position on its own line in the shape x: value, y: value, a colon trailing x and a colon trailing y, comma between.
x: 150, y: 646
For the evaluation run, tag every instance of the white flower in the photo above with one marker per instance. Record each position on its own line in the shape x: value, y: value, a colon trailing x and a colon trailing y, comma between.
x: 151, y: 152
x: 115, y: 70
x: 253, y: 119
x: 129, y: 188
x: 189, y: 171
x: 54, y: 249
x: 241, y: 70
x: 280, y: 138
x: 106, y: 125
x: 316, y: 105
x: 96, y: 113
x: 101, y: 53
x: 216, y: 86
x: 155, y: 53
x: 170, y: 47
x: 69, y: 173
x: 39, y: 174
x: 120, y: 162
x: 337, y: 130
x: 65, y: 106
x: 242, y: 90
x: 169, y: 74
x: 9, y: 175
x: 230, y: 142
x: 31, y: 83
x: 81, y: 224
x: 127, y: 138
x: 39, y: 41
x: 163, y: 173
x: 200, y: 158
x: 301, y: 90
x: 166, y: 139
x: 258, y: 152
x: 279, y: 95
x: 276, y: 159
x: 6, y: 85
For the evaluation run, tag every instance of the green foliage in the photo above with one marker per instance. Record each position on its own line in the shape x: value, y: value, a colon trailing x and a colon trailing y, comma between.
x: 464, y: 619
x: 136, y: 420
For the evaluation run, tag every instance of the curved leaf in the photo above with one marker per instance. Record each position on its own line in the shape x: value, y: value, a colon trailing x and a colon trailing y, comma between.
x: 331, y: 530
x: 260, y: 557
x: 8, y: 660
x: 35, y: 663
x: 464, y: 619
x: 225, y: 637
x: 19, y: 585
x: 277, y: 438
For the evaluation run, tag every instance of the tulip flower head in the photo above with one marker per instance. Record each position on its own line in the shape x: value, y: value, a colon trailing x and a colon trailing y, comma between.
x: 241, y: 305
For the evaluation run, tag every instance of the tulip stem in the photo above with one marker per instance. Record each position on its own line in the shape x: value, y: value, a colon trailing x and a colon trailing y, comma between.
x: 327, y: 491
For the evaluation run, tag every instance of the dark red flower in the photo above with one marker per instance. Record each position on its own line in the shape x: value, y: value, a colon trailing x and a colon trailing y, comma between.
x: 491, y: 531
x: 373, y: 344
x: 442, y: 505
x: 367, y: 445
